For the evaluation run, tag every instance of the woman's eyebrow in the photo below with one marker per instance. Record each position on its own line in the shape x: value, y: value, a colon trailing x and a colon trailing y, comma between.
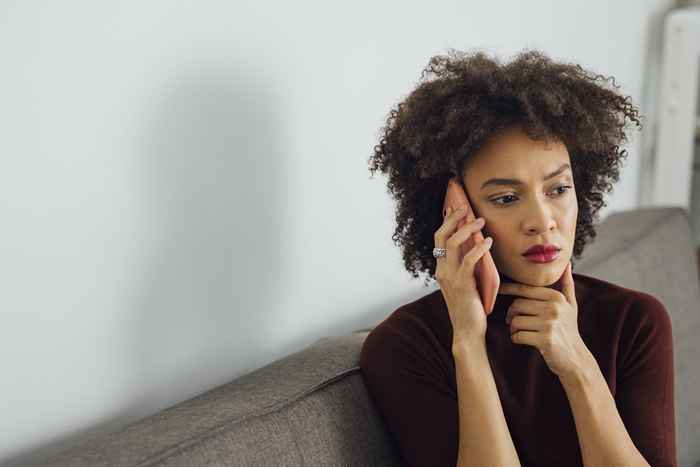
x: 513, y: 181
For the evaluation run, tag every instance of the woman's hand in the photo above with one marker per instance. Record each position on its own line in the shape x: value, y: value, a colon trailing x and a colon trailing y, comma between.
x: 456, y: 278
x: 548, y: 319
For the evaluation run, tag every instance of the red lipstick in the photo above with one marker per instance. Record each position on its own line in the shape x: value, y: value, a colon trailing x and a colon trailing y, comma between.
x: 542, y: 253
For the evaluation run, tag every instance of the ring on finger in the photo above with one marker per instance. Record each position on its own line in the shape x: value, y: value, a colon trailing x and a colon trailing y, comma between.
x: 439, y: 252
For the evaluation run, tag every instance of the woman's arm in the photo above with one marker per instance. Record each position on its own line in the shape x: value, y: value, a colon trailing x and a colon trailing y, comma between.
x: 484, y: 438
x: 637, y: 427
x: 602, y: 435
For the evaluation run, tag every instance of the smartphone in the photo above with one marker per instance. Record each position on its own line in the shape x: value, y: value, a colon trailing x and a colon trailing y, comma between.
x: 485, y: 272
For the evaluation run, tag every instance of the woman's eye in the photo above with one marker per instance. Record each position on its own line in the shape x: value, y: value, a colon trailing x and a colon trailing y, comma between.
x: 568, y: 187
x: 501, y: 197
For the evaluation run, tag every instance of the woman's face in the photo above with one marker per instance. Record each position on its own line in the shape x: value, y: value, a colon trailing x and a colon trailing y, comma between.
x: 535, y: 211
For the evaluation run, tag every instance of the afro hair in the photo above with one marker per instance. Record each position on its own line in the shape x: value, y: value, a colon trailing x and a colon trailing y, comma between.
x: 469, y: 97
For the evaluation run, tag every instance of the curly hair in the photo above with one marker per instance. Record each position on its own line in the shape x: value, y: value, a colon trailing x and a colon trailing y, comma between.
x: 432, y: 134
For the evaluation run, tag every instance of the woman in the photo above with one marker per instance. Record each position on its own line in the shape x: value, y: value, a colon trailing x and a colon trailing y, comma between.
x: 567, y: 369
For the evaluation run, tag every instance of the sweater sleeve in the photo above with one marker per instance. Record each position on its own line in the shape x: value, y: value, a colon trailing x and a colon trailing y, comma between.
x: 410, y: 389
x: 645, y: 380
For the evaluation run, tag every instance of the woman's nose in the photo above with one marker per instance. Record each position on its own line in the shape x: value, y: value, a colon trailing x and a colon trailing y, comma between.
x: 540, y: 219
x: 536, y: 230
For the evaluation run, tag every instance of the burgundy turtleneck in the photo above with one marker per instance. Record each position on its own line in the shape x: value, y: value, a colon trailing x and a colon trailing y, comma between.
x: 409, y: 371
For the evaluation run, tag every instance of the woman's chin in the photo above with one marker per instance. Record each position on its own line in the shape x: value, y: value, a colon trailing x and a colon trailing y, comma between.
x: 537, y: 274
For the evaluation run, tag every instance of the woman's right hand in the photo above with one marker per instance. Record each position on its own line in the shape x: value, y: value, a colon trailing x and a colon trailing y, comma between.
x: 456, y: 277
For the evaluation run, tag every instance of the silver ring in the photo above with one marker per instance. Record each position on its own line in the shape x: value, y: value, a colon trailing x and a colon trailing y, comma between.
x: 438, y: 252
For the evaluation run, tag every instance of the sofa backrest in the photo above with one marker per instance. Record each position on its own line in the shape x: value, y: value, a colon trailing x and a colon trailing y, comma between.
x: 309, y: 408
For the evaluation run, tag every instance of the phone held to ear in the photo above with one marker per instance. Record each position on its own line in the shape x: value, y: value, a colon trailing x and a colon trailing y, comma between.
x: 485, y: 272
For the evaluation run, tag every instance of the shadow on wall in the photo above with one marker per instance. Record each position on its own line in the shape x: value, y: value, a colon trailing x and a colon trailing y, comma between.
x: 217, y: 189
x: 211, y: 171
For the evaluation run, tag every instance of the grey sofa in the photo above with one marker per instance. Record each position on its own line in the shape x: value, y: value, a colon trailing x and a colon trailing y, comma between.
x: 311, y: 407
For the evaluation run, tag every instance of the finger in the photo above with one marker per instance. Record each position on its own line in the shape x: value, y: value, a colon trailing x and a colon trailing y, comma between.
x: 474, y: 255
x: 449, y: 225
x: 525, y: 323
x: 455, y: 244
x: 531, y: 338
x: 568, y: 286
x: 522, y: 308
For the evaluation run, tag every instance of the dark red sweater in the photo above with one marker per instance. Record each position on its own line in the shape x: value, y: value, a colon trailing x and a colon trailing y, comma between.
x: 409, y: 371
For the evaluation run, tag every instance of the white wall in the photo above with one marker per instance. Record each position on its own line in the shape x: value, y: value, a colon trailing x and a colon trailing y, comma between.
x: 184, y: 192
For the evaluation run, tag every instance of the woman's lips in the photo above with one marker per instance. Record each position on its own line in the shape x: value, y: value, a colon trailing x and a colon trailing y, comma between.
x: 543, y: 257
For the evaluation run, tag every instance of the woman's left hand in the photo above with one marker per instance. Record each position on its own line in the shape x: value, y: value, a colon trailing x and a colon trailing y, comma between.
x: 548, y: 319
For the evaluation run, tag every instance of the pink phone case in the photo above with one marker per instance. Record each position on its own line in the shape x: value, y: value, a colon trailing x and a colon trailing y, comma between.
x: 485, y: 272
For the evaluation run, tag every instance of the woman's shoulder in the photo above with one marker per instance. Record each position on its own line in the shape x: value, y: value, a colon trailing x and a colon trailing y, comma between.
x: 414, y: 323
x: 413, y: 315
x: 603, y: 296
x: 597, y: 290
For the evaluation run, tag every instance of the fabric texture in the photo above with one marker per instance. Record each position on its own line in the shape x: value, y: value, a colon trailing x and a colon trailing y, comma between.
x: 408, y: 368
